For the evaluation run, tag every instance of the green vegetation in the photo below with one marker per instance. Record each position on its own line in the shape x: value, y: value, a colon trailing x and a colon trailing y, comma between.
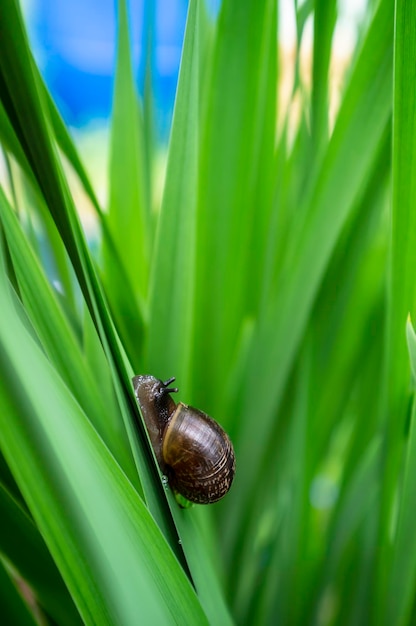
x: 274, y: 281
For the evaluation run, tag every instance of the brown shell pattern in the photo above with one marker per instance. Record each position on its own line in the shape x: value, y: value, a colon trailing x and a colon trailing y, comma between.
x: 199, y: 456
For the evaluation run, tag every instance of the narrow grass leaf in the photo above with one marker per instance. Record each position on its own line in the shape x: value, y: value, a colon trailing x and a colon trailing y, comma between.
x: 29, y: 115
x: 324, y: 23
x: 21, y: 99
x: 10, y: 143
x: 26, y: 197
x: 127, y: 308
x: 279, y: 593
x: 59, y: 341
x: 173, y: 269
x: 401, y: 296
x: 14, y: 610
x: 411, y: 345
x: 236, y: 142
x: 111, y: 554
x: 129, y: 214
x: 201, y: 565
x: 23, y: 546
x: 402, y: 575
x: 280, y: 331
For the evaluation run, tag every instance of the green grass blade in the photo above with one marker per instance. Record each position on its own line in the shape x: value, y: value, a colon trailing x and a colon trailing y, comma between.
x: 202, y: 567
x: 123, y: 302
x: 411, y: 345
x: 401, y: 296
x: 324, y: 24
x: 80, y: 499
x: 274, y: 281
x: 173, y: 269
x: 13, y: 608
x: 402, y: 575
x: 66, y: 144
x: 236, y: 141
x: 169, y: 348
x: 29, y: 197
x: 24, y: 107
x: 10, y: 143
x: 340, y: 181
x: 29, y: 116
x: 129, y: 213
x: 277, y: 596
x: 59, y: 341
x: 22, y: 545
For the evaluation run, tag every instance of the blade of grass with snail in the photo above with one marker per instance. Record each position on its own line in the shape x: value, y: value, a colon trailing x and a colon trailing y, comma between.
x: 236, y: 143
x: 110, y: 552
x: 168, y: 345
x: 29, y: 116
x: 157, y: 504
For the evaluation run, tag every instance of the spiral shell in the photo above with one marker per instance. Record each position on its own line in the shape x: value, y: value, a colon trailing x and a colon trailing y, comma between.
x: 191, y: 448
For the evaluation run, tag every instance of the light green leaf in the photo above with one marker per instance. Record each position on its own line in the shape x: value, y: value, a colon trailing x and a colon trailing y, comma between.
x: 22, y: 545
x: 173, y: 270
x: 111, y: 554
x: 13, y: 608
x: 341, y: 179
x: 401, y: 294
x: 129, y: 212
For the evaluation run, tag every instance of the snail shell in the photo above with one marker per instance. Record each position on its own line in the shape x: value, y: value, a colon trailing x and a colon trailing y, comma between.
x: 191, y: 448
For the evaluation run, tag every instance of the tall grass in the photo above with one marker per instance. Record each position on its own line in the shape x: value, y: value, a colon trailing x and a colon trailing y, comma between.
x: 275, y: 281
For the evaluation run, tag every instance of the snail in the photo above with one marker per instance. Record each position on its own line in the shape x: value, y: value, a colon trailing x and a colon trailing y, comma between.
x: 192, y: 450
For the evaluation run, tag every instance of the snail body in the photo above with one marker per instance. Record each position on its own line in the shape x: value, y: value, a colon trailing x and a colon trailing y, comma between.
x: 191, y: 448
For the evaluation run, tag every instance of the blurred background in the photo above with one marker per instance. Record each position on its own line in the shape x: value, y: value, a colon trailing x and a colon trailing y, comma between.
x: 75, y: 42
x: 74, y: 45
